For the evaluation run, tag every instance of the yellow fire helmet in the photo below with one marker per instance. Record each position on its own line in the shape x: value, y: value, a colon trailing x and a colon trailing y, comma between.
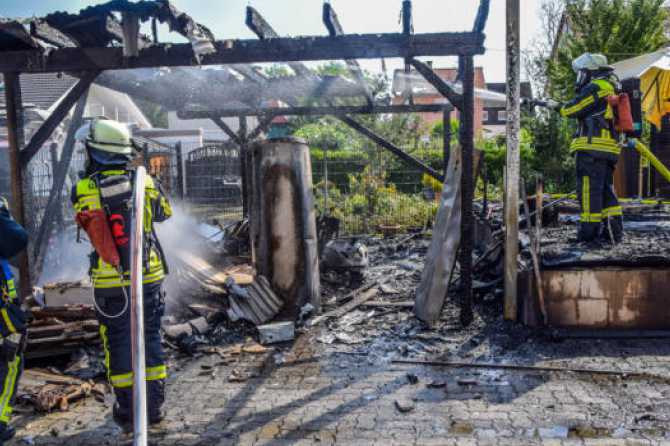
x: 108, y: 141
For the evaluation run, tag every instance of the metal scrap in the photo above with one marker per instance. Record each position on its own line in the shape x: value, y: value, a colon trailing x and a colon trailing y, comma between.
x: 256, y: 303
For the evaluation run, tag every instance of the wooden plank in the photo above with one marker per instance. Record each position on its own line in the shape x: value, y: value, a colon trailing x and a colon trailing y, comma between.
x: 403, y: 304
x: 56, y: 117
x: 336, y: 110
x: 512, y: 166
x: 210, y: 274
x: 344, y: 309
x: 407, y: 158
x: 356, y: 46
x: 442, y: 253
x: 534, y: 254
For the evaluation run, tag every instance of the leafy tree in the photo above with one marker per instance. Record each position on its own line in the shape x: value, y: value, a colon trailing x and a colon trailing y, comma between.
x: 620, y: 29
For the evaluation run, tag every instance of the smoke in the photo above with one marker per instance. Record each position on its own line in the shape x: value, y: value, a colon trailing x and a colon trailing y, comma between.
x: 65, y: 260
x: 183, y: 233
x: 68, y: 261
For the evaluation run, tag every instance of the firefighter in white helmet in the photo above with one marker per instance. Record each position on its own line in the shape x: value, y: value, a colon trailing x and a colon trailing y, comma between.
x: 595, y: 148
x: 106, y: 190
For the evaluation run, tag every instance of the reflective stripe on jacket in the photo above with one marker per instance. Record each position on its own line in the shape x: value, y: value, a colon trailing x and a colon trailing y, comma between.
x: 86, y: 196
x: 595, y: 117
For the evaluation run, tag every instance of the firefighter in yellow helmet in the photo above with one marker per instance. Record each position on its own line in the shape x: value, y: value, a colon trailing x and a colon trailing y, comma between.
x: 595, y: 147
x: 107, y: 186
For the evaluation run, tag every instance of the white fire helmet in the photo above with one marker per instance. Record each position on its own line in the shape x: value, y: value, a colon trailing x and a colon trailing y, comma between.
x: 590, y: 62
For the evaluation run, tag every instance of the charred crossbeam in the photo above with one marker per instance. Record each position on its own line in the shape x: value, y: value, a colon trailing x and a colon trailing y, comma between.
x: 406, y: 157
x: 361, y: 46
x: 436, y: 81
x: 55, y: 118
x: 220, y: 123
x: 340, y: 110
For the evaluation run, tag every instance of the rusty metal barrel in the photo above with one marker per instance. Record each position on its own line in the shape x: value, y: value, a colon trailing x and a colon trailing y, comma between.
x: 283, y: 221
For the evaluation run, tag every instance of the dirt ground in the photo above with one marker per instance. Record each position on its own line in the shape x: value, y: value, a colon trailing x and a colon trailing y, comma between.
x: 342, y: 383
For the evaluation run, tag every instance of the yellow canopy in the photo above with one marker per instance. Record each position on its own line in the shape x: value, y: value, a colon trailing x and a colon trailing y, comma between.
x: 653, y: 70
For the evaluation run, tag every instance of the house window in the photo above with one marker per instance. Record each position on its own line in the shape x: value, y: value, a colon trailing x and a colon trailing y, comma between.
x: 485, y: 116
x: 502, y: 115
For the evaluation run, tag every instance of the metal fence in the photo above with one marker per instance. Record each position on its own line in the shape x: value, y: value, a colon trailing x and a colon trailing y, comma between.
x: 366, y: 187
x: 372, y: 191
x: 214, y: 182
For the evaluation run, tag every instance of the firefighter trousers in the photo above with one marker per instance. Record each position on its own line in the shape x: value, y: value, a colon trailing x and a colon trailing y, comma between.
x: 11, y: 367
x: 117, y: 345
x: 601, y: 214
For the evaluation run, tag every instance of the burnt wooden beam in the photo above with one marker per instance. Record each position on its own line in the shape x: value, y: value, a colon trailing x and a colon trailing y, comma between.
x: 337, y: 110
x: 360, y: 46
x: 482, y: 16
x: 15, y: 138
x: 406, y: 157
x: 466, y: 136
x: 264, y: 30
x: 512, y: 160
x: 56, y: 117
x: 440, y: 85
x: 334, y: 27
x: 59, y: 176
x: 262, y: 126
x: 47, y: 33
x: 446, y: 139
x: 244, y: 149
x: 226, y: 129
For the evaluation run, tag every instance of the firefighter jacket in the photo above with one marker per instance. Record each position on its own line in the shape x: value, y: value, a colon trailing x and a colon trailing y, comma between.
x: 86, y: 196
x: 13, y: 239
x: 595, y: 134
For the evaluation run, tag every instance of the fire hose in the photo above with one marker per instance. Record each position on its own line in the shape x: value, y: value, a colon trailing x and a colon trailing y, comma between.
x: 646, y: 153
x: 137, y: 312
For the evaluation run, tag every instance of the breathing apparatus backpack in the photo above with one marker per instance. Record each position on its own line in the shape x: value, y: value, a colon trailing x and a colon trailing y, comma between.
x: 627, y: 107
x: 116, y: 196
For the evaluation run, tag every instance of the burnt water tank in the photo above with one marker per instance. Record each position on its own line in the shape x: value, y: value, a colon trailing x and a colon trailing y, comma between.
x: 283, y: 221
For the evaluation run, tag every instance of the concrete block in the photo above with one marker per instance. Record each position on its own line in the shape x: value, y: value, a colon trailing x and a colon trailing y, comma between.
x: 276, y: 332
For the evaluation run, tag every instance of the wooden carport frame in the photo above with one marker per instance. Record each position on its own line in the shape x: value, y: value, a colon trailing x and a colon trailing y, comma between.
x: 88, y: 62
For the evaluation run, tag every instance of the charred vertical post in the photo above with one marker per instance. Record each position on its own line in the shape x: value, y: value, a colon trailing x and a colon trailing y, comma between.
x: 512, y: 166
x: 467, y: 189
x: 407, y: 31
x: 16, y: 139
x: 181, y: 183
x: 446, y: 148
x: 244, y: 148
x: 283, y: 221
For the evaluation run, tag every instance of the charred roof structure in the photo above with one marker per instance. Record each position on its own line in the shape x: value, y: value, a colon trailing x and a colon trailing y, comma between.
x: 106, y: 37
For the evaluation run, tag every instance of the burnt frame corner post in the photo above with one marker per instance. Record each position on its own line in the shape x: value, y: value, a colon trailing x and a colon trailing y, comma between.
x: 512, y: 165
x: 16, y: 139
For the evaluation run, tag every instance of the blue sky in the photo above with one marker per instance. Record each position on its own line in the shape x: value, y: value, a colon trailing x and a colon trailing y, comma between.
x: 303, y: 17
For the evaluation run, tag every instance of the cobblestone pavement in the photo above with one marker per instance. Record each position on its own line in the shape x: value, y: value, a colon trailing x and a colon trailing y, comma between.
x: 310, y: 394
